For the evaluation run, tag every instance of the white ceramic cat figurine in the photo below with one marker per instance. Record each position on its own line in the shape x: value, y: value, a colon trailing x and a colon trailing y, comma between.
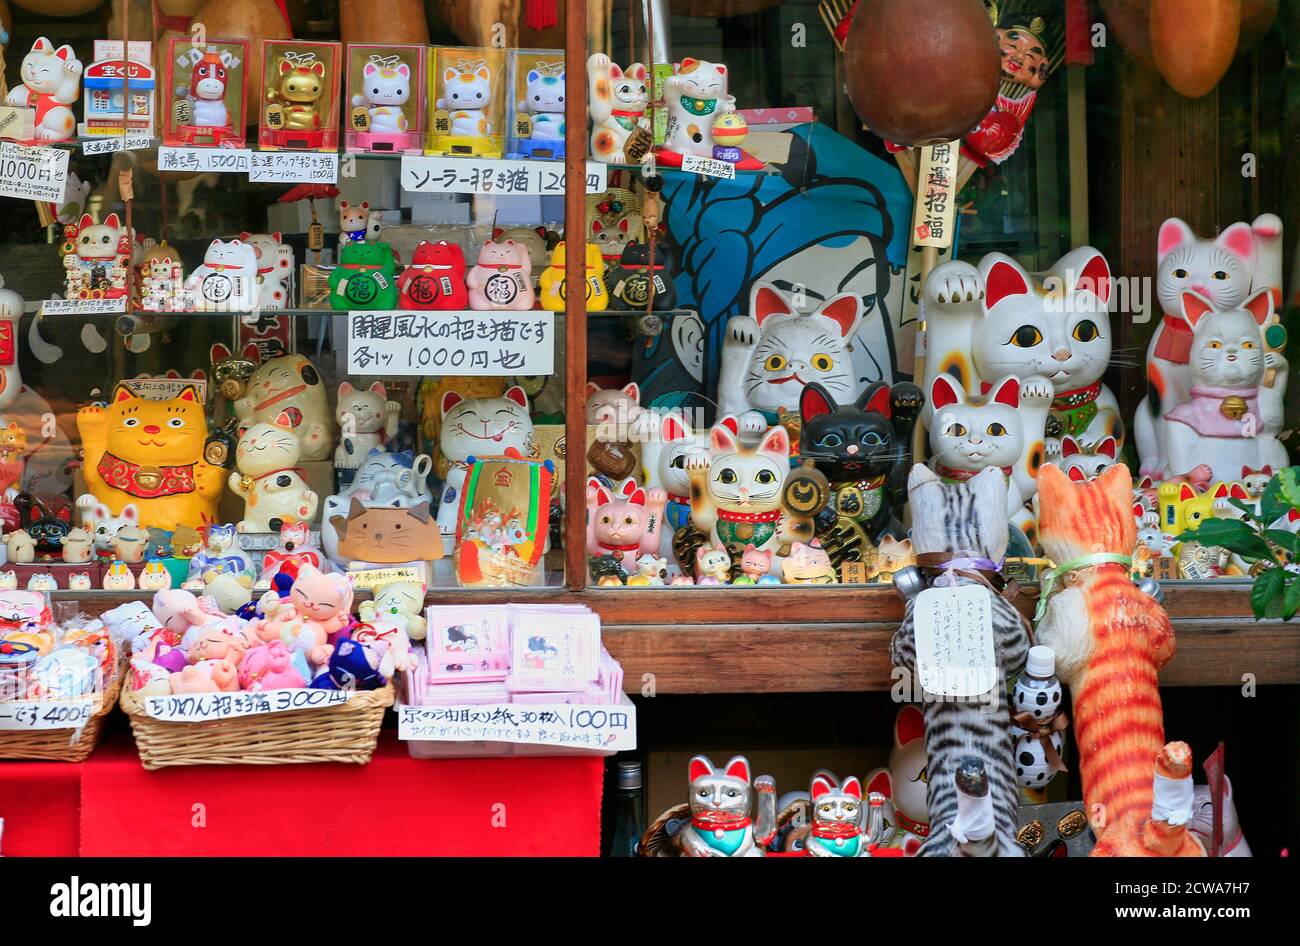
x: 226, y: 280
x: 666, y: 440
x: 479, y: 427
x: 998, y: 320
x: 1084, y: 462
x: 769, y: 355
x: 696, y: 95
x: 1231, y: 419
x: 617, y: 104
x: 273, y: 488
x: 366, y: 420
x: 1242, y: 260
x: 51, y: 79
x: 1003, y: 430
x: 1202, y: 823
x: 274, y: 268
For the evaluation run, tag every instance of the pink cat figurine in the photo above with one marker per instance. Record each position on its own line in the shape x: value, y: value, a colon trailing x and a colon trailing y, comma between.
x: 269, y: 667
x: 755, y: 563
x: 318, y: 605
x: 208, y: 676
x: 502, y: 279
x: 626, y: 524
x: 808, y: 565
x: 215, y: 641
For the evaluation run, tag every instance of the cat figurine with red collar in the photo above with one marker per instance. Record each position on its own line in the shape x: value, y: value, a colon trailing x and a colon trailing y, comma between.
x: 502, y: 278
x: 435, y: 279
x: 289, y: 385
x: 732, y: 815
x: 274, y: 487
x: 295, y: 550
x: 275, y: 268
x: 903, y: 784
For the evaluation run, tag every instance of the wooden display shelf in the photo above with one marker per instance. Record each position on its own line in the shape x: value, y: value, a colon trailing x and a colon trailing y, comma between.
x: 782, y: 640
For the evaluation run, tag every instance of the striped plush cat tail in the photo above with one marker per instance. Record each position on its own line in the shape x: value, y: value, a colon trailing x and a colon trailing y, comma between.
x: 1077, y: 519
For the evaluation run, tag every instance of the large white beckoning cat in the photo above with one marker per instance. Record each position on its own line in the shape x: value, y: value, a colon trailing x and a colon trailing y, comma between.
x: 984, y: 324
x: 769, y: 355
x: 1238, y: 391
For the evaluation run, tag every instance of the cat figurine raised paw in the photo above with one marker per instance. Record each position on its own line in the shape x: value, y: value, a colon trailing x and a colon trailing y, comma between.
x: 50, y: 82
x: 836, y: 818
x: 226, y: 280
x: 617, y: 103
x: 267, y: 476
x: 722, y: 804
x: 367, y: 419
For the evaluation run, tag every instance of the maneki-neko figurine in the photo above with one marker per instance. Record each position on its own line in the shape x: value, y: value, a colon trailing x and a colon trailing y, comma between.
x: 386, y: 93
x: 702, y: 118
x: 300, y: 93
x: 732, y: 815
x: 467, y: 92
x: 97, y: 259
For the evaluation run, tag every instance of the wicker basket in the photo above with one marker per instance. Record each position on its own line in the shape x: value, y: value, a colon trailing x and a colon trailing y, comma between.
x: 56, y: 745
x: 345, y: 732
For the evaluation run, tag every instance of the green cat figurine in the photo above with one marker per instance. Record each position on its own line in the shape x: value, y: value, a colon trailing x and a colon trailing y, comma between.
x: 366, y: 278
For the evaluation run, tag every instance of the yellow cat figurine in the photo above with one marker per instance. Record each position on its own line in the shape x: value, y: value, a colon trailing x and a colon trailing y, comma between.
x: 1182, y: 508
x: 150, y: 453
x: 552, y: 280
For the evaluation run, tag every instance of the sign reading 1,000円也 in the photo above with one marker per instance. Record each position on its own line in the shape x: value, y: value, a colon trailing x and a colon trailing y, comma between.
x: 466, y: 343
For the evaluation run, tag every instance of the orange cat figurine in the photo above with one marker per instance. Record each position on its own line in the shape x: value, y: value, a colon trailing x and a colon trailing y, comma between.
x: 1110, y: 640
x: 150, y: 454
x: 1165, y: 831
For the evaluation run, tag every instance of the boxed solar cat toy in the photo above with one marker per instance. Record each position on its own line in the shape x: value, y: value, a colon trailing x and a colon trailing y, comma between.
x: 536, y: 104
x: 385, y: 99
x: 467, y: 101
x: 300, y: 95
x: 204, y: 92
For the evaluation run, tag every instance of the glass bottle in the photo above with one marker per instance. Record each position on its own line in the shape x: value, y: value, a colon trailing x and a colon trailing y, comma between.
x: 629, y: 810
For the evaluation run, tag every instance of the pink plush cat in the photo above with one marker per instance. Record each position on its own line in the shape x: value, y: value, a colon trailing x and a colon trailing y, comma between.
x: 502, y: 279
x: 319, y: 605
x: 269, y: 667
x: 625, y: 525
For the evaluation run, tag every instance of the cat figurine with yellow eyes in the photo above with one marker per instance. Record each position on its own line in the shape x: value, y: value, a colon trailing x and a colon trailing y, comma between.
x: 996, y: 320
x: 149, y: 454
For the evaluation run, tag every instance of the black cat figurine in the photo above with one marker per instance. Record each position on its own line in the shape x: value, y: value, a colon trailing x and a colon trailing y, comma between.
x: 629, y: 282
x: 865, y: 450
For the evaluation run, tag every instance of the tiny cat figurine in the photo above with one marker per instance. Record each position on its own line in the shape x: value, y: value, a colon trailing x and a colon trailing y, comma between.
x: 467, y: 94
x: 1004, y: 430
x: 51, y: 79
x: 807, y: 565
x: 358, y: 223
x: 1083, y: 463
x: 754, y: 564
x: 479, y: 427
x: 722, y: 804
x: 966, y: 519
x: 289, y: 384
x: 382, y: 534
x: 501, y: 279
x: 836, y: 818
x: 614, y: 408
x: 1254, y: 481
x: 268, y: 477
x: 865, y: 450
x: 626, y: 523
x: 226, y: 280
x: 1202, y: 823
x: 769, y: 355
x: 367, y: 419
x: 712, y: 565
x: 119, y: 578
x: 1242, y: 260
x: 78, y: 547
x: 617, y: 104
x: 154, y: 577
x: 998, y: 320
x: 221, y: 554
x: 1110, y: 640
x: 1231, y: 418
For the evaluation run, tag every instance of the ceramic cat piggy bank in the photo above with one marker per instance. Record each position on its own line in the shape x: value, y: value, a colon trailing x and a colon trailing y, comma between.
x: 723, y: 802
x: 50, y: 82
x: 435, y: 279
x: 635, y: 278
x: 268, y: 477
x: 625, y: 524
x: 553, y: 292
x: 501, y: 280
x: 149, y: 454
x: 275, y: 269
x: 226, y: 281
x: 366, y: 277
x: 290, y: 384
x: 996, y: 320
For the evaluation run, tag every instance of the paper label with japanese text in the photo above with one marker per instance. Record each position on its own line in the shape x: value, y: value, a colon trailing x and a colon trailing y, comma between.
x: 954, y: 641
x: 111, y: 143
x: 83, y: 306
x: 293, y: 167
x: 33, y: 173
x: 936, y: 195
x: 368, y: 579
x: 487, y: 344
x: 493, y: 176
x: 29, y: 715
x: 218, y: 160
x: 202, y: 707
x: 607, y: 728
x: 708, y: 167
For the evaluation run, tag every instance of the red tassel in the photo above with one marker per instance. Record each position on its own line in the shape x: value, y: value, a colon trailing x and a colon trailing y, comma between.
x: 541, y: 14
x: 1078, y: 34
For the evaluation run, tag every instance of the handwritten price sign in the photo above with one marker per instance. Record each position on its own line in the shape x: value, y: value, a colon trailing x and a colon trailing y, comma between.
x: 578, y: 725
x: 28, y: 715
x: 492, y: 176
x: 204, y: 707
x: 110, y: 144
x: 293, y: 167
x: 33, y: 173
x: 488, y: 344
x: 219, y: 160
x: 708, y: 167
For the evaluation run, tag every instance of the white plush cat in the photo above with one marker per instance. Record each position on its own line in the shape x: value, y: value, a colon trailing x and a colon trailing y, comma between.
x: 226, y: 281
x: 366, y: 419
x: 1243, y: 259
x: 1003, y: 430
x: 696, y: 94
x: 467, y: 93
x: 1230, y: 419
x: 998, y: 320
x: 51, y: 79
x: 769, y: 355
x: 385, y: 89
x: 274, y: 269
x: 479, y: 427
x: 268, y: 478
x: 736, y: 490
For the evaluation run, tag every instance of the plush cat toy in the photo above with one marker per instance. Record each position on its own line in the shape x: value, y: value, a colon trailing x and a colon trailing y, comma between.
x: 769, y: 355
x: 269, y: 479
x: 435, y: 279
x: 963, y: 520
x: 1244, y: 259
x: 290, y: 384
x: 625, y: 523
x: 984, y: 324
x: 1232, y: 417
x: 365, y: 278
x: 366, y: 420
x: 630, y: 281
x: 226, y: 280
x: 1110, y: 640
x: 501, y: 279
x: 721, y: 803
x: 149, y: 454
x: 617, y: 103
x: 865, y: 450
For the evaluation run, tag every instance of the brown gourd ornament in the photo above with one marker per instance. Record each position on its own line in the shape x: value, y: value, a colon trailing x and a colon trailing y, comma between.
x: 922, y: 72
x: 402, y: 22
x: 1193, y: 42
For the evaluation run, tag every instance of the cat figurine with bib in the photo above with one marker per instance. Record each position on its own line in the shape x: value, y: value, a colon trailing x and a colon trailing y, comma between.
x: 769, y: 355
x: 986, y: 323
x: 631, y: 280
x: 290, y: 384
x: 553, y: 290
x: 966, y: 520
x: 698, y: 109
x: 624, y: 523
x: 226, y: 280
x: 435, y: 279
x: 365, y: 278
x: 98, y: 265
x: 149, y: 454
x: 1240, y: 262
x: 502, y: 278
x: 617, y: 102
x: 479, y: 427
x: 275, y: 268
x: 50, y: 82
x: 731, y: 815
x: 836, y: 818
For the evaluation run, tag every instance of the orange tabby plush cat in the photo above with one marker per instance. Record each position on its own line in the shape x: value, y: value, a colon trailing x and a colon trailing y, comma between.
x: 1110, y: 640
x: 150, y: 453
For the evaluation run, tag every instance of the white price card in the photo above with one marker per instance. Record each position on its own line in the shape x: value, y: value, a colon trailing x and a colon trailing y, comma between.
x: 33, y: 173
x: 203, y: 707
x: 27, y: 715
x: 294, y: 167
x: 111, y: 143
x: 219, y: 160
x: 708, y: 167
x: 493, y: 176
x: 487, y: 344
x: 607, y: 728
x: 954, y: 641
x: 83, y: 306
